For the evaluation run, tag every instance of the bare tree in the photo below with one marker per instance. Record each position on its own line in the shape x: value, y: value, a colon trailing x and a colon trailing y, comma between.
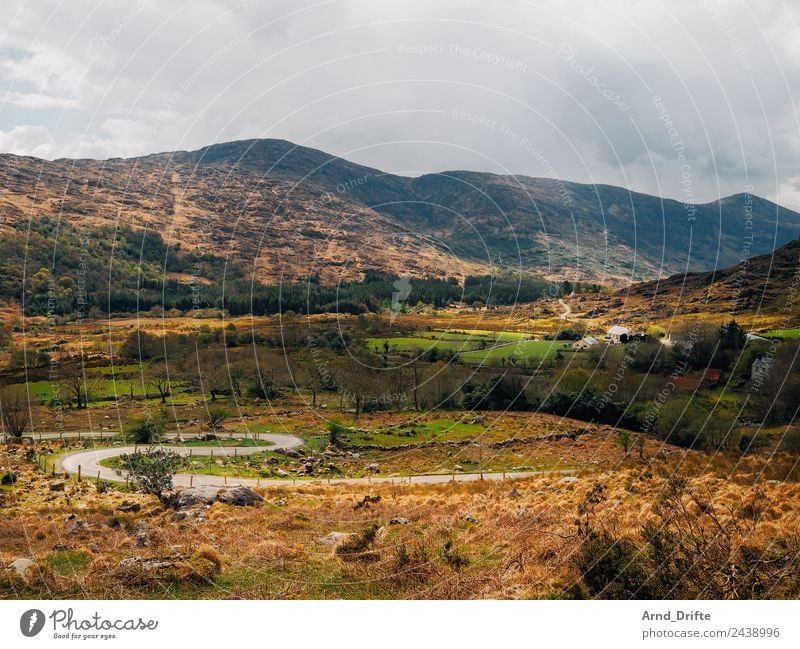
x: 160, y: 379
x: 14, y: 412
x: 73, y: 383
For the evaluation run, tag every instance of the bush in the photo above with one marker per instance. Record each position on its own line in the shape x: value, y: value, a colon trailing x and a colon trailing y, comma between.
x: 611, y: 568
x: 335, y: 432
x: 152, y: 472
x: 144, y: 430
x: 215, y: 415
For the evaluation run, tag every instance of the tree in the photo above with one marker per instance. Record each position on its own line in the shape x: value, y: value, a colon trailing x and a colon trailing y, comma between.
x: 14, y: 412
x: 213, y: 373
x: 160, y: 379
x: 152, y: 472
x: 638, y: 444
x: 624, y: 441
x: 73, y: 383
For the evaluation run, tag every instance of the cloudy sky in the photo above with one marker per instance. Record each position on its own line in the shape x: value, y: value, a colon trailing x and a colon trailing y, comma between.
x: 690, y: 99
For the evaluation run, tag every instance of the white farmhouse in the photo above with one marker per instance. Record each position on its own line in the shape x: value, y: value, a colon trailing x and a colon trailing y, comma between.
x: 614, y: 336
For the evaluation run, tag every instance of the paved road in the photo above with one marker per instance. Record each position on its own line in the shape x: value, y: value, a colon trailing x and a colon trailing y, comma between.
x: 89, y: 461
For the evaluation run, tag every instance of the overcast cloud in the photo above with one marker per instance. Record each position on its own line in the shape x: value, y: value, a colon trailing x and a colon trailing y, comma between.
x: 584, y: 91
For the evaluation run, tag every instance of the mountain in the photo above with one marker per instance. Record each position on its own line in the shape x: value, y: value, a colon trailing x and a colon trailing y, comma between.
x: 285, y: 212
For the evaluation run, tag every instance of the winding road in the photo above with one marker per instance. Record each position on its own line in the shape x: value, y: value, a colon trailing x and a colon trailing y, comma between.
x: 90, y: 467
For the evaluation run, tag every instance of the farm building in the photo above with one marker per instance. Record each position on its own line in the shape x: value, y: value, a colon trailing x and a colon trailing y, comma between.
x: 617, y: 334
x: 585, y: 343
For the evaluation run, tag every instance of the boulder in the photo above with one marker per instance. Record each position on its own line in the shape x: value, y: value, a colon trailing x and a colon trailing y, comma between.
x: 58, y: 486
x: 570, y: 479
x: 192, y: 497
x: 458, y: 467
x: 129, y: 506
x: 399, y: 520
x: 373, y: 467
x: 469, y: 518
x: 239, y: 496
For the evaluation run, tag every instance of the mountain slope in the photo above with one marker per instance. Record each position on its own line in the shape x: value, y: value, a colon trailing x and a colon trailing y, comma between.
x: 285, y: 212
x: 765, y: 286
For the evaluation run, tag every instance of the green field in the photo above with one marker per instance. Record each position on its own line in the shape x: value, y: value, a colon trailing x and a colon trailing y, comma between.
x: 452, y: 340
x: 408, y: 343
x: 437, y: 429
x: 521, y: 352
x: 783, y: 333
x: 494, y: 336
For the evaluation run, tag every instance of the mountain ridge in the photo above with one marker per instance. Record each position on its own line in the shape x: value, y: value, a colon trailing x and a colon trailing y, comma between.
x: 281, y: 208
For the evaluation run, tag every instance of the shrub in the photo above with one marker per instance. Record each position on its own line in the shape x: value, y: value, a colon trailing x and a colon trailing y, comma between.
x: 144, y: 430
x: 335, y: 432
x: 152, y: 472
x: 215, y: 415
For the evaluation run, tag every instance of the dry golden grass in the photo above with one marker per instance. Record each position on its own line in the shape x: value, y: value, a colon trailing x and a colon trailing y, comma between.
x: 520, y: 541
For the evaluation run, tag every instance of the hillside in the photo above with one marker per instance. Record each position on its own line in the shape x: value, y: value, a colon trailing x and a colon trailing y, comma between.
x: 760, y: 285
x: 285, y: 212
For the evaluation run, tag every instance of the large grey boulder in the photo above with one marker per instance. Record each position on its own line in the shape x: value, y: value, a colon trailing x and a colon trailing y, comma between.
x: 240, y: 496
x: 205, y: 496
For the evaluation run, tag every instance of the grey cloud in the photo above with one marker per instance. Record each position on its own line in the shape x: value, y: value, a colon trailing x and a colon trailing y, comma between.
x: 379, y: 82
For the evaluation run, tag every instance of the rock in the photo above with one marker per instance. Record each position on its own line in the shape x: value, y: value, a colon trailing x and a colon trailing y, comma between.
x: 174, y: 568
x: 60, y: 547
x: 21, y: 565
x: 458, y: 467
x: 470, y: 518
x: 272, y: 460
x: 193, y: 514
x: 77, y: 527
x: 194, y: 496
x: 8, y: 478
x: 129, y: 506
x: 69, y: 517
x: 373, y: 467
x: 335, y: 538
x: 191, y: 497
x: 399, y: 520
x: 281, y: 502
x: 140, y: 531
x: 355, y: 455
x: 513, y: 493
x: 570, y: 479
x: 58, y: 486
x: 239, y: 496
x: 281, y: 473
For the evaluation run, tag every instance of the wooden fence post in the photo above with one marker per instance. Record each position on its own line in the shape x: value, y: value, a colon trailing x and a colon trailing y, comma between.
x: 79, y: 473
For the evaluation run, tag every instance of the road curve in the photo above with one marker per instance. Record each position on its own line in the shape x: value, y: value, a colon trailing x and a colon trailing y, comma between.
x: 89, y: 463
